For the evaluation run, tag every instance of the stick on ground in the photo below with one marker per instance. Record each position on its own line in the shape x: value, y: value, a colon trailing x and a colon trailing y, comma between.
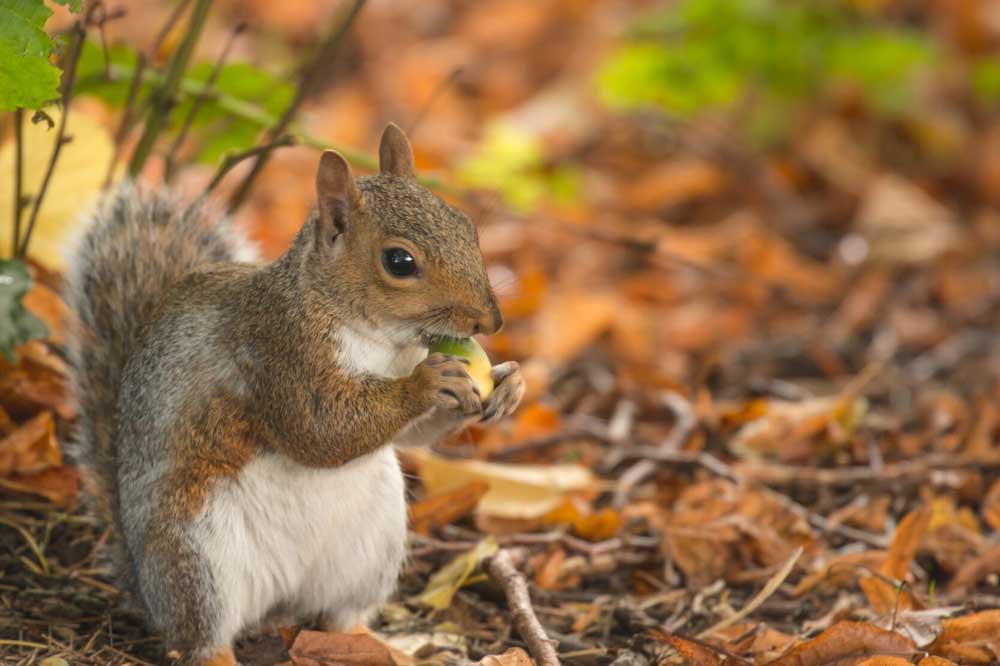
x: 500, y: 567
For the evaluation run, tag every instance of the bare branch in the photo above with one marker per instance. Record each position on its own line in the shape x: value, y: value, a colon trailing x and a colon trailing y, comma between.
x: 199, y: 100
x: 307, y: 83
x: 501, y: 569
x: 231, y: 160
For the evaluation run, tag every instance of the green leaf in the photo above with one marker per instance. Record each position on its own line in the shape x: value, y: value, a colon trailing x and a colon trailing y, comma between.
x: 27, y: 78
x: 17, y: 325
x: 74, y: 5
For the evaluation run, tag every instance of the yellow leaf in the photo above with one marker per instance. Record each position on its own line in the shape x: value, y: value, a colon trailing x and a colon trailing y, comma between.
x: 445, y: 583
x: 516, y: 491
x: 76, y: 182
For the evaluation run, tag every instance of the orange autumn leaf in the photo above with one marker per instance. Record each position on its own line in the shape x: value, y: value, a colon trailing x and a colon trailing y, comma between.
x: 586, y: 523
x: 31, y: 448
x: 882, y: 595
x: 318, y: 648
x: 980, y: 626
x: 571, y: 321
x: 60, y: 485
x: 932, y: 660
x: 695, y: 652
x: 447, y: 507
x: 886, y: 660
x: 846, y: 644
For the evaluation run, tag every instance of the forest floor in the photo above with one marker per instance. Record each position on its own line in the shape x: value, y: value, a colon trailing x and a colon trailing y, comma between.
x: 763, y: 412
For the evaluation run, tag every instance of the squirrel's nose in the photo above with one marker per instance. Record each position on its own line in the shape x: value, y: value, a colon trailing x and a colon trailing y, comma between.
x: 489, y: 322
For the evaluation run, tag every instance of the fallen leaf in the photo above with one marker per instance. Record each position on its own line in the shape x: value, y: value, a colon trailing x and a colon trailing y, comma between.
x: 903, y: 225
x: 443, y: 585
x: 447, y: 507
x: 571, y: 321
x: 516, y: 491
x: 846, y: 644
x: 512, y: 657
x: 982, y: 626
x: 976, y: 569
x: 586, y: 523
x: 31, y: 447
x: 886, y: 660
x: 318, y: 648
x: 695, y: 652
x: 60, y: 485
x: 883, y: 596
x: 671, y: 183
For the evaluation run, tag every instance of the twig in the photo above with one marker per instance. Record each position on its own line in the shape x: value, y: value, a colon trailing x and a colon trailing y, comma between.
x: 308, y: 80
x: 18, y: 177
x: 165, y: 29
x: 769, y: 588
x: 162, y: 100
x: 69, y: 77
x: 128, y: 113
x: 232, y: 159
x: 501, y: 569
x: 199, y: 100
x: 683, y: 427
x: 255, y: 114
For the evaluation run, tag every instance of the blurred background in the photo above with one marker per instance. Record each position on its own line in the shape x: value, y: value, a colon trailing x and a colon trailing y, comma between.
x: 764, y: 229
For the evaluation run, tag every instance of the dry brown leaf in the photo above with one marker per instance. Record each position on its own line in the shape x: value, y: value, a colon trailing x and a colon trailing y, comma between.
x: 512, y: 657
x: 903, y: 225
x: 886, y: 660
x: 46, y: 304
x: 671, y: 183
x: 447, y: 507
x: 586, y: 523
x: 695, y: 652
x: 982, y: 626
x: 846, y: 644
x: 990, y: 507
x: 31, y: 447
x: 883, y: 596
x: 571, y: 321
x: 976, y: 569
x: 319, y: 648
x: 60, y: 485
x: 935, y: 661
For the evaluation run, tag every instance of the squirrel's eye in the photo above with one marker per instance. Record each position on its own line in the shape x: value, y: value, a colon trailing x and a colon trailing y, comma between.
x: 399, y: 262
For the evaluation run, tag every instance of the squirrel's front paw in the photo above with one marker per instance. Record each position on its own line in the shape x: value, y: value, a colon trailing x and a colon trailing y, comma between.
x: 507, y: 392
x: 448, y: 386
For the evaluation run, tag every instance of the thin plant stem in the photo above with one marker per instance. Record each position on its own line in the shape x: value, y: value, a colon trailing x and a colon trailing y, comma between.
x: 310, y: 74
x: 232, y: 159
x: 163, y: 98
x: 199, y: 100
x: 69, y: 77
x: 18, y: 177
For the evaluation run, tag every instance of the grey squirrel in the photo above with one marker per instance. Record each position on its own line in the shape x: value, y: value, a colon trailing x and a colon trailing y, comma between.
x: 237, y: 419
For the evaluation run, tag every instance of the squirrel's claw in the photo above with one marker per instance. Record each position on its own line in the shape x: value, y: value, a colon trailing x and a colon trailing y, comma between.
x: 507, y: 392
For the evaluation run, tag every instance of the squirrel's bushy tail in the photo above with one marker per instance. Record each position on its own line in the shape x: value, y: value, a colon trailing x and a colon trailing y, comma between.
x: 131, y: 250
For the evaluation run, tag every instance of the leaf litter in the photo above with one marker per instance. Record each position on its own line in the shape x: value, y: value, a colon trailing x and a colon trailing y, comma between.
x: 828, y: 493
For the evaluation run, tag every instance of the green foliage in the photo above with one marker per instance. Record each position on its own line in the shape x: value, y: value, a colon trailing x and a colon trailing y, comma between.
x: 242, y: 101
x: 17, y: 325
x: 986, y: 79
x: 511, y: 162
x: 700, y: 55
x: 28, y: 79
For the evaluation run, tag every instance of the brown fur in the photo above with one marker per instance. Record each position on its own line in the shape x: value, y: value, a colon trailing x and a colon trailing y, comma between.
x: 189, y: 363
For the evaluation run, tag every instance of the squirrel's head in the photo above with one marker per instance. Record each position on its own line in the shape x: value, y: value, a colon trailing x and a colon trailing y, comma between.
x: 402, y: 260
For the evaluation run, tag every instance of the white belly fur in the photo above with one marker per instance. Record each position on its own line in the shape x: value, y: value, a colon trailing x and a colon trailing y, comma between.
x: 308, y: 541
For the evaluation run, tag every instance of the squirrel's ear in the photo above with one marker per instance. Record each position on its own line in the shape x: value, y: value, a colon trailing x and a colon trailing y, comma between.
x: 395, y: 155
x: 336, y: 191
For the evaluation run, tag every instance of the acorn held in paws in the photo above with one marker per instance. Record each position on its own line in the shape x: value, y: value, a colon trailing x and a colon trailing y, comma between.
x: 479, y: 367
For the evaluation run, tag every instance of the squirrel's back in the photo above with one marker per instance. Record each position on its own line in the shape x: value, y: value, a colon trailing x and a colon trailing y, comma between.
x: 133, y: 247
